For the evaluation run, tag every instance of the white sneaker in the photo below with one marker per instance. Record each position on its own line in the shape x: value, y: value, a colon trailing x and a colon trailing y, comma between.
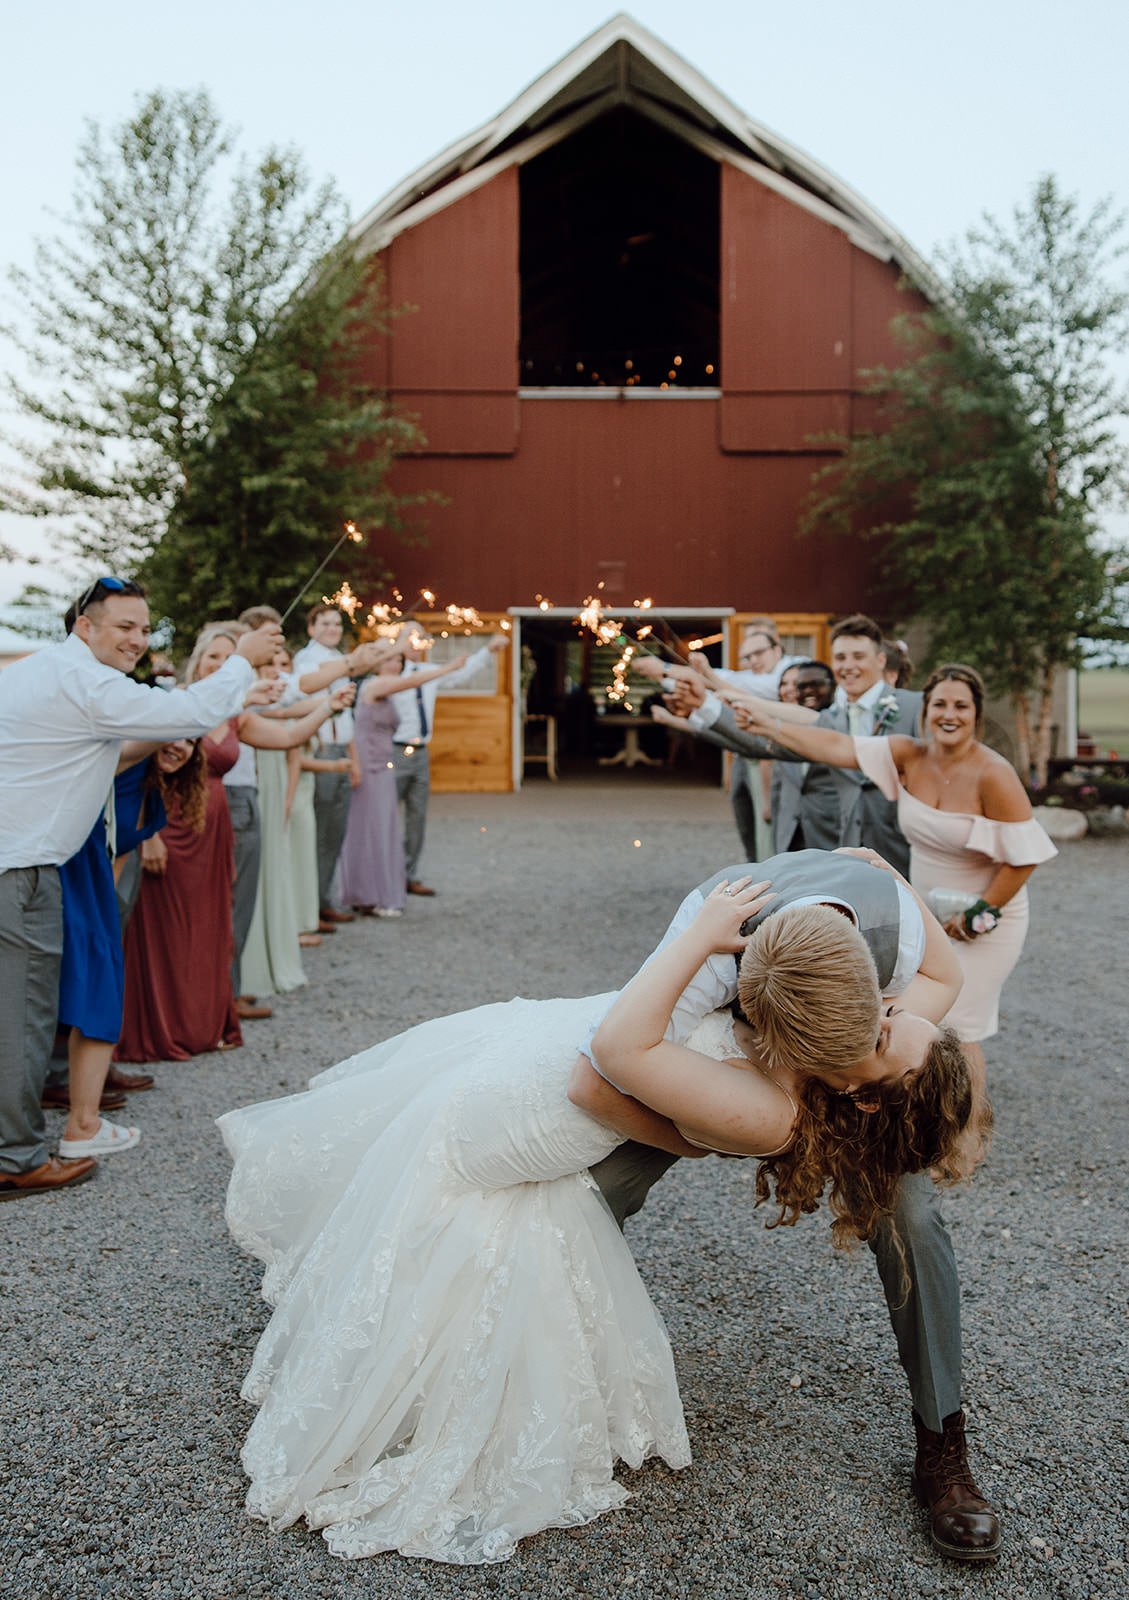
x: 388, y: 911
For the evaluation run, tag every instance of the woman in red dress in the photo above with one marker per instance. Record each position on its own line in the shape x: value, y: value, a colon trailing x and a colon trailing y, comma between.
x: 179, y: 941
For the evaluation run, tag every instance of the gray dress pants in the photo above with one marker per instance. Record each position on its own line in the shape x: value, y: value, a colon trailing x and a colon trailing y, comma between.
x: 243, y: 805
x: 926, y: 1321
x: 413, y: 786
x: 31, y: 952
x: 332, y: 793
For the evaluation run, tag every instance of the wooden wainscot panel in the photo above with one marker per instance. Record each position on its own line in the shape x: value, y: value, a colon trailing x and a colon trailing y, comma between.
x: 470, y: 748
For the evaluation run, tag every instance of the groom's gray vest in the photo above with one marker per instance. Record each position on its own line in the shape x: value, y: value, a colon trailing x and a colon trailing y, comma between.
x: 871, y: 893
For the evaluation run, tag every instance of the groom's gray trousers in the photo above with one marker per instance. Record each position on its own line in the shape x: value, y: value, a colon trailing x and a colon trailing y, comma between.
x: 926, y: 1321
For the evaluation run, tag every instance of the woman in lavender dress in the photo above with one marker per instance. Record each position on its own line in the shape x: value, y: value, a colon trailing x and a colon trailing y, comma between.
x: 372, y: 856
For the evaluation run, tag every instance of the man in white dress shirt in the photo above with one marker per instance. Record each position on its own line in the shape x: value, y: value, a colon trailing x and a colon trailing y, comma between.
x: 64, y: 713
x: 332, y: 790
x: 761, y: 663
x: 412, y: 738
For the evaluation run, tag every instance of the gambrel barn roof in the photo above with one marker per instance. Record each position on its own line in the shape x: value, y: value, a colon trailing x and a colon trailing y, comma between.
x: 623, y: 64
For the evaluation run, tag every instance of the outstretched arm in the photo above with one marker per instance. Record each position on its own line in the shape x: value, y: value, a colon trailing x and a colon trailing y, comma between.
x: 381, y: 688
x: 266, y: 733
x: 806, y: 743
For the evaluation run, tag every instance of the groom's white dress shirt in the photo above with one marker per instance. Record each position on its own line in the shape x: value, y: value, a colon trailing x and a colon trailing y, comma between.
x: 63, y: 715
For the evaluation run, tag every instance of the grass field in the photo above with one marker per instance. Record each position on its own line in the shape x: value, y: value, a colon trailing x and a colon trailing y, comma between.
x: 1103, y: 707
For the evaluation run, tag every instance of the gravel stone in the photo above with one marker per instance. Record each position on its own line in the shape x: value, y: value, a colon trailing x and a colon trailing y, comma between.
x: 128, y: 1318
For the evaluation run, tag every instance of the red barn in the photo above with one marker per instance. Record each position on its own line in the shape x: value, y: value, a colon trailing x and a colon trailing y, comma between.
x: 634, y: 313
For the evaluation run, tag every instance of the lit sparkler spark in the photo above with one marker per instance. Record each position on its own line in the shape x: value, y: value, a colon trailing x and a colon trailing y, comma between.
x: 465, y: 617
x: 542, y: 603
x: 352, y: 533
x: 593, y: 617
x: 643, y: 605
x: 426, y: 595
x: 700, y: 644
x: 345, y: 600
x: 644, y: 632
x: 617, y: 690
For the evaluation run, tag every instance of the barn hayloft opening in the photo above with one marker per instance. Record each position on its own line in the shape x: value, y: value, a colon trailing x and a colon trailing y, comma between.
x: 620, y: 246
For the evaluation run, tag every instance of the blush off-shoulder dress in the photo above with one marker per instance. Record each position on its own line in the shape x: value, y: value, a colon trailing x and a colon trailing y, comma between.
x: 956, y: 850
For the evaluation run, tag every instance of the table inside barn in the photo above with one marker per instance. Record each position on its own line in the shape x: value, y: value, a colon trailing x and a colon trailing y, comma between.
x: 631, y: 752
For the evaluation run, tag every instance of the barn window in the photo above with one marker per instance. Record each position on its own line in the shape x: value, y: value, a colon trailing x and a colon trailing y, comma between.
x: 620, y: 231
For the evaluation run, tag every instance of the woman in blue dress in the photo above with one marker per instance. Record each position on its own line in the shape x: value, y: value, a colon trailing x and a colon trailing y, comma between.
x: 92, y: 977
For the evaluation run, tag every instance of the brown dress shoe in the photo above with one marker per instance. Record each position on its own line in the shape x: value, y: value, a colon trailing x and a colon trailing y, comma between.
x: 247, y: 1011
x: 328, y: 914
x: 53, y: 1174
x: 129, y: 1082
x: 326, y: 927
x: 961, y: 1522
x: 416, y: 887
x: 57, y: 1097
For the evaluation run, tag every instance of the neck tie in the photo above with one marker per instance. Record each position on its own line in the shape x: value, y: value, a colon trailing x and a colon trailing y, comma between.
x: 424, y: 730
x: 854, y: 718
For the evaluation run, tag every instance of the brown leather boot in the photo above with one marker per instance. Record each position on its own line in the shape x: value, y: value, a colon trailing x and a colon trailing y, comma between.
x: 961, y: 1522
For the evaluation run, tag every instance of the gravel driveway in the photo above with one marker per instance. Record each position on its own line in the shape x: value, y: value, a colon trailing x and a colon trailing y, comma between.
x: 128, y: 1317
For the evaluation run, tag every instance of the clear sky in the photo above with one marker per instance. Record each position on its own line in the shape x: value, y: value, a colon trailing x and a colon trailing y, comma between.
x: 933, y: 113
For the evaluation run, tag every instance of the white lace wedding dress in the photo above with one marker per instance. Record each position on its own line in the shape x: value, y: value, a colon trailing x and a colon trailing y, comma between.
x: 461, y: 1346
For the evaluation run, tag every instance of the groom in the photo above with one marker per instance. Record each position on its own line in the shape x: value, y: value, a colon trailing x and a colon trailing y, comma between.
x: 926, y: 1323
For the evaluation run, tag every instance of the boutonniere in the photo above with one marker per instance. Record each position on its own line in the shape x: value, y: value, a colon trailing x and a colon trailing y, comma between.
x: 885, y: 712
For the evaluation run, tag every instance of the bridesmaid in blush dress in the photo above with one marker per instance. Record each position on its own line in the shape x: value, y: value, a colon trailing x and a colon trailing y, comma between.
x: 968, y: 821
x: 372, y: 856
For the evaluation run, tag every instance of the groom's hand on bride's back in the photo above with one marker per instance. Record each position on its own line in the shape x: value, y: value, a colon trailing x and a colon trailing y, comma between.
x: 727, y: 908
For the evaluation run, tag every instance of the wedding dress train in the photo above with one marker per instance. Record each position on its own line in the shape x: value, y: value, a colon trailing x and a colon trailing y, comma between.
x: 461, y: 1346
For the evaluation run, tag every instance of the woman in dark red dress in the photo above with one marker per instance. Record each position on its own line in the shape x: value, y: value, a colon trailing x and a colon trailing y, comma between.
x: 178, y: 946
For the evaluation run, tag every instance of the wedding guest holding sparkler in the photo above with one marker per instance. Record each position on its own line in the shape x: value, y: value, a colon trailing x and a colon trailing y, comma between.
x: 864, y: 704
x: 413, y: 736
x: 761, y: 664
x: 179, y: 943
x: 242, y: 788
x: 372, y: 857
x: 332, y: 787
x: 64, y: 714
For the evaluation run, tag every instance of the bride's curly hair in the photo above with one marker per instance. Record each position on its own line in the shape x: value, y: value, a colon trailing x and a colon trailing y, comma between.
x: 862, y: 1144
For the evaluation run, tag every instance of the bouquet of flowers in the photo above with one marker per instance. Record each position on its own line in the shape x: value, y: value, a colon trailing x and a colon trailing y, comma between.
x: 976, y: 913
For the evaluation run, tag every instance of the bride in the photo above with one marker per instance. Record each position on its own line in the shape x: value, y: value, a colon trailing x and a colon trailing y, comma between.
x: 461, y: 1346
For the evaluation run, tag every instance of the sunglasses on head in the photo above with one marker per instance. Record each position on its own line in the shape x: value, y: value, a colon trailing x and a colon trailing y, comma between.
x: 109, y: 585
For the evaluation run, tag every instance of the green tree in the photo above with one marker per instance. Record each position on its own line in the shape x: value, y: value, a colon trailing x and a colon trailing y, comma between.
x: 996, y: 450
x: 195, y: 340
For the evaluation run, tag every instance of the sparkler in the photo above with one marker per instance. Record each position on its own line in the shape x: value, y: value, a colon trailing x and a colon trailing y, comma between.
x: 352, y: 535
x: 345, y: 600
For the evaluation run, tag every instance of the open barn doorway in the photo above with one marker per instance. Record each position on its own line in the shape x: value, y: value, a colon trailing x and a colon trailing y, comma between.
x: 566, y: 725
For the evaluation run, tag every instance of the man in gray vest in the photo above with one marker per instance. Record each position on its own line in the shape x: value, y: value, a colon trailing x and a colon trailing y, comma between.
x: 864, y: 704
x: 926, y: 1322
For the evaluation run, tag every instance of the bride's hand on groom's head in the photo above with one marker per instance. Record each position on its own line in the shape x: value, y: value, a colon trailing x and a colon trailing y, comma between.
x: 727, y: 907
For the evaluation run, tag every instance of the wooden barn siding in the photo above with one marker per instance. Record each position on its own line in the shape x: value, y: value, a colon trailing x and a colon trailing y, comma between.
x: 698, y: 499
x: 452, y: 285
